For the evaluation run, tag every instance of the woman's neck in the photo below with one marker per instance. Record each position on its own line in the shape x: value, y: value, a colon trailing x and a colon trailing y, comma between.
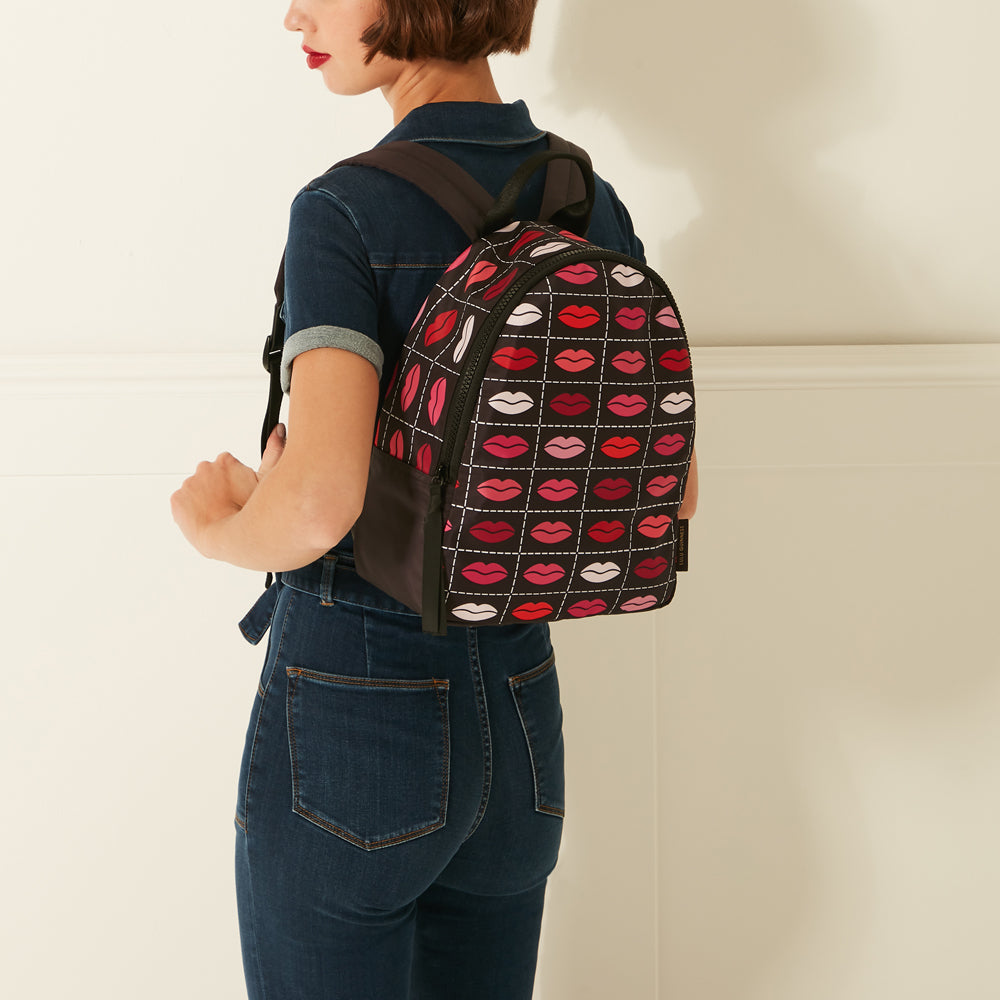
x: 435, y: 80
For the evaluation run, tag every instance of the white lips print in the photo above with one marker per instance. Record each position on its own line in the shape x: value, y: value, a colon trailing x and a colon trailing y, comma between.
x: 627, y: 277
x: 510, y: 228
x: 524, y: 315
x: 600, y: 572
x: 511, y: 403
x: 546, y: 248
x: 677, y: 402
x: 463, y: 343
x: 475, y: 612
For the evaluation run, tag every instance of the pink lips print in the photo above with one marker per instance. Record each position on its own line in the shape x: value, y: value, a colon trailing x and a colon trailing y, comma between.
x: 440, y: 327
x: 570, y: 404
x: 527, y: 237
x: 558, y: 489
x: 424, y: 458
x: 483, y: 573
x: 551, y: 532
x: 492, y: 532
x: 586, y: 609
x: 649, y: 569
x: 629, y: 362
x: 532, y: 611
x: 436, y: 402
x: 579, y: 317
x: 396, y: 445
x: 574, y: 360
x: 577, y: 274
x: 544, y: 574
x: 620, y: 447
x: 459, y: 260
x: 499, y: 489
x: 504, y: 446
x: 627, y: 406
x: 606, y: 532
x: 643, y: 603
x: 631, y: 319
x: 410, y: 385
x: 676, y: 360
x: 660, y: 486
x: 667, y: 317
x: 612, y: 489
x: 515, y: 359
x: 669, y: 444
x: 654, y: 526
x: 483, y: 271
x: 565, y: 447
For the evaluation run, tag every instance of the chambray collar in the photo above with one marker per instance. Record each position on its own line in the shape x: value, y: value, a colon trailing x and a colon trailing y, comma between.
x: 468, y: 121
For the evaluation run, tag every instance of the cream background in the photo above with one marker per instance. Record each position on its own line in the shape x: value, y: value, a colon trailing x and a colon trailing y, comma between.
x: 785, y: 785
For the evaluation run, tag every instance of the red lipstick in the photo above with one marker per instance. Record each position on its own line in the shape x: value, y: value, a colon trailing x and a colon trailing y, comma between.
x: 314, y: 59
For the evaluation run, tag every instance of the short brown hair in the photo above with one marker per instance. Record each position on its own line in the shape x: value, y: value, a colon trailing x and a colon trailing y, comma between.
x: 457, y: 30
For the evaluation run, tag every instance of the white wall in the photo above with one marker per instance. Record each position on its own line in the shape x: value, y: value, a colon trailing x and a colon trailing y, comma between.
x: 782, y: 786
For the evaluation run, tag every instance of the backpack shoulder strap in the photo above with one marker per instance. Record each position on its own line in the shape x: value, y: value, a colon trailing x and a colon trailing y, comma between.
x: 564, y: 181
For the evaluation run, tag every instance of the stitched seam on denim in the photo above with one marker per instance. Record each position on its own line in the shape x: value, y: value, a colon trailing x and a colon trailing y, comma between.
x: 439, y: 686
x: 475, y: 669
x: 390, y: 682
x: 364, y: 633
x: 515, y: 683
x: 343, y: 208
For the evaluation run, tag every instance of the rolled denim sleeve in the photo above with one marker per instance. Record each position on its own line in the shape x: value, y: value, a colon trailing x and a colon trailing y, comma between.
x: 330, y: 292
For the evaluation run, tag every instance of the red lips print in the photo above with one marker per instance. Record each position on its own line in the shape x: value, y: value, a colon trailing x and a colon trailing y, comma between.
x: 410, y: 385
x: 500, y: 489
x: 483, y: 573
x: 495, y: 291
x: 586, y: 609
x: 424, y: 458
x: 483, y: 271
x: 396, y: 445
x: 649, y: 569
x: 629, y: 362
x: 570, y: 404
x: 515, y: 359
x: 631, y: 319
x: 533, y: 611
x: 627, y: 406
x: 440, y: 327
x: 544, y: 574
x: 574, y: 360
x: 551, y: 532
x: 620, y: 447
x: 558, y: 489
x: 436, y: 402
x: 606, y: 532
x: 579, y: 317
x: 669, y: 444
x: 504, y: 446
x: 577, y: 274
x: 527, y: 237
x: 676, y: 360
x: 660, y: 486
x: 613, y: 489
x: 492, y: 532
x: 654, y: 526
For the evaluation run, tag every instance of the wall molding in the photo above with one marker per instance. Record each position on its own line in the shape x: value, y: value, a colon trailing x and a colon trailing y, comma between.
x: 716, y: 369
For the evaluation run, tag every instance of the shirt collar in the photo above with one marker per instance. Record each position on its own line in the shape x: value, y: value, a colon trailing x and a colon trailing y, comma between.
x: 468, y: 121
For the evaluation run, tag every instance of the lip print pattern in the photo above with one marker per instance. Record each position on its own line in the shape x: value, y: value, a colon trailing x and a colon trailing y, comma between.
x: 675, y: 360
x: 557, y: 490
x: 565, y: 447
x: 676, y: 402
x: 515, y: 359
x: 511, y: 403
x: 547, y: 249
x: 423, y: 308
x: 410, y: 385
x: 612, y: 489
x: 629, y: 362
x: 574, y: 360
x: 544, y: 574
x: 577, y: 274
x: 397, y: 445
x: 650, y: 569
x: 627, y: 277
x: 606, y: 532
x: 532, y: 611
x: 627, y: 406
x: 424, y: 458
x: 579, y: 317
x: 483, y: 271
x: 551, y: 532
x: 509, y: 228
x: 436, y: 402
x: 654, y: 526
x: 571, y: 236
x: 475, y: 612
x: 667, y: 317
x: 631, y: 318
x: 483, y: 574
x: 459, y: 260
x: 499, y: 490
x: 643, y: 603
x: 463, y: 342
x: 570, y: 404
x: 669, y: 444
x: 586, y: 609
x: 527, y: 237
x: 492, y: 532
x: 620, y: 447
x: 660, y: 486
x: 503, y: 446
x: 495, y: 291
x: 599, y: 572
x: 440, y: 327
x: 524, y: 315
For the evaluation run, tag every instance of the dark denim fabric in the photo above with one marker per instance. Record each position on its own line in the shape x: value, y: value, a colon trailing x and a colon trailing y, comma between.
x: 400, y: 799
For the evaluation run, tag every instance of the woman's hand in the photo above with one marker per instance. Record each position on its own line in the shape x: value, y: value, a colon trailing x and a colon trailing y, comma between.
x: 220, y: 489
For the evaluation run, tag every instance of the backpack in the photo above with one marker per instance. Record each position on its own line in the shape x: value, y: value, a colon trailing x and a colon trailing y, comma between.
x: 533, y: 445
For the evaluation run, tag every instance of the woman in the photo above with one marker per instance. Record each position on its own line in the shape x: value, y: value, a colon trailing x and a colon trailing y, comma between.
x: 424, y: 773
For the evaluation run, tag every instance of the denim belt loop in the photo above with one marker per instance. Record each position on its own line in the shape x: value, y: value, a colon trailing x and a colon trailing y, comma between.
x: 326, y: 583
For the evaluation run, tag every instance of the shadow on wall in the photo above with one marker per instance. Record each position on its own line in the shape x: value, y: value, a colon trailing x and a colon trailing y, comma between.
x: 746, y: 98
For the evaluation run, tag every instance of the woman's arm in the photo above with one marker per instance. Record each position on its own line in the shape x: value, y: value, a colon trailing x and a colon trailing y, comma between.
x: 309, y: 491
x: 689, y: 504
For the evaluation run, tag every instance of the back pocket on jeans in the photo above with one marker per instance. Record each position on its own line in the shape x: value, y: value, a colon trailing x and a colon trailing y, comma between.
x: 369, y: 755
x: 536, y: 695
